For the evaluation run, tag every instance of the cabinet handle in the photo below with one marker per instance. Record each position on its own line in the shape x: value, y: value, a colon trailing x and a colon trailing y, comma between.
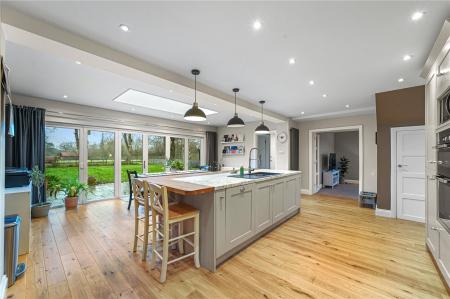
x: 436, y: 228
x: 242, y: 189
x: 221, y: 203
x: 432, y: 177
x: 432, y: 162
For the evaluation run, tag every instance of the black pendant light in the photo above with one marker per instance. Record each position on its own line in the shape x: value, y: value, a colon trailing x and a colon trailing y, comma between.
x: 235, y: 122
x: 195, y: 113
x: 262, y: 128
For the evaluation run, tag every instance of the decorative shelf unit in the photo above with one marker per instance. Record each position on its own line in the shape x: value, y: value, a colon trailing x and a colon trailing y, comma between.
x: 330, y: 178
x: 233, y: 145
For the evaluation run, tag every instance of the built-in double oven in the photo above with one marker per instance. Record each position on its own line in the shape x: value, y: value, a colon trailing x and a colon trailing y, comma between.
x: 443, y: 177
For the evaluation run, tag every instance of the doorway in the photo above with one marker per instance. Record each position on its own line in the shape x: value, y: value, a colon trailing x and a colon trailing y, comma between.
x: 336, y: 161
x: 408, y: 173
x: 263, y: 145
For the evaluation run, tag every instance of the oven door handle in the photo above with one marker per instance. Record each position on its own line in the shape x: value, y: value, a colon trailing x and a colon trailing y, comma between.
x: 441, y: 146
x: 442, y: 180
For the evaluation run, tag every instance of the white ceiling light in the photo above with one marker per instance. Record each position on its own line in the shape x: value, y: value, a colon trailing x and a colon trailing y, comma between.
x: 311, y: 82
x: 407, y: 57
x: 291, y: 60
x: 150, y: 101
x: 65, y: 96
x: 78, y: 62
x: 124, y: 28
x: 447, y: 46
x: 324, y: 95
x: 417, y: 15
x: 303, y: 112
x: 257, y: 25
x: 400, y: 80
x: 347, y: 106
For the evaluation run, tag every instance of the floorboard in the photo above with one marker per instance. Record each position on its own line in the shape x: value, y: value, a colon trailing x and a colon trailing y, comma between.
x: 332, y: 249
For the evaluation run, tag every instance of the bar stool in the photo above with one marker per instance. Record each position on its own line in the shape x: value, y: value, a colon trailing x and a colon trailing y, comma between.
x: 169, y: 215
x: 141, y: 199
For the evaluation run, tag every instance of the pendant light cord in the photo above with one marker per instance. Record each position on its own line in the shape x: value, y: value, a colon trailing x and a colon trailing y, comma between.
x: 234, y: 102
x: 262, y: 113
x: 195, y: 88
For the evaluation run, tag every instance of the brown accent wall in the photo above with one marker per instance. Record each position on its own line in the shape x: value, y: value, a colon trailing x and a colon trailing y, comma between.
x: 397, y: 108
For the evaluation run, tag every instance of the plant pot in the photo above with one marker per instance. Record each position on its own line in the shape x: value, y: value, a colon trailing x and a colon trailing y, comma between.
x: 40, y: 210
x: 71, y: 202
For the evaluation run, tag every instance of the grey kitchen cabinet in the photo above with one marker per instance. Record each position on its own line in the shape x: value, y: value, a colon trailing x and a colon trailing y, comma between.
x: 444, y: 253
x: 262, y: 207
x: 432, y: 223
x: 221, y: 246
x: 278, y: 200
x: 238, y: 215
x: 292, y: 195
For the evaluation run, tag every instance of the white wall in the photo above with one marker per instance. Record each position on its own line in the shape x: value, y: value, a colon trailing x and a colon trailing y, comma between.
x: 368, y: 123
x: 280, y: 156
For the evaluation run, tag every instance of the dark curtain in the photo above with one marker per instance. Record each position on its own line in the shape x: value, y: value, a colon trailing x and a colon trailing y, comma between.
x: 294, y: 149
x: 211, y: 147
x: 27, y: 148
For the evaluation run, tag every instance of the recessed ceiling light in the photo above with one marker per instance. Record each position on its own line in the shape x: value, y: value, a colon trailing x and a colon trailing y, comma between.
x: 133, y: 109
x: 447, y: 46
x: 417, y: 15
x: 311, y: 82
x: 303, y: 112
x: 65, y: 96
x: 291, y: 60
x: 407, y: 57
x: 324, y: 95
x: 124, y: 28
x: 400, y: 80
x: 78, y: 62
x: 347, y: 106
x: 257, y: 25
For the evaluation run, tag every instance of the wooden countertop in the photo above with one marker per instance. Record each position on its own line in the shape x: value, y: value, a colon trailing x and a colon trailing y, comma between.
x: 178, y: 187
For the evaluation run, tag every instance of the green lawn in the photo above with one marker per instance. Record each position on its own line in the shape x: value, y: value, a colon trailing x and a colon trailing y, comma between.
x: 103, y: 174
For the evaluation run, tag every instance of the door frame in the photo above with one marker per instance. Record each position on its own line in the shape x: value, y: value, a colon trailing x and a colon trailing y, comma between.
x: 358, y: 128
x: 394, y: 199
x: 273, y: 147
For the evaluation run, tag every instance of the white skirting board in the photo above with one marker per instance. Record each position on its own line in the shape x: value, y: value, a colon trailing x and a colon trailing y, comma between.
x: 383, y: 213
x: 305, y: 191
x: 3, y: 286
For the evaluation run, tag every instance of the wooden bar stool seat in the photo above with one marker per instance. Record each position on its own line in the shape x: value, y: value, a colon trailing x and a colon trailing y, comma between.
x: 169, y: 215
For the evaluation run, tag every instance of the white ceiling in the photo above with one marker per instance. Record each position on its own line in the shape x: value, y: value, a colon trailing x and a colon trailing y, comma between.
x: 350, y: 49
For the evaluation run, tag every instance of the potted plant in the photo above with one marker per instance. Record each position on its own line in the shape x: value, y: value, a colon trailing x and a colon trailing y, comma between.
x: 42, y: 208
x: 71, y: 189
x: 177, y: 165
x: 344, y: 165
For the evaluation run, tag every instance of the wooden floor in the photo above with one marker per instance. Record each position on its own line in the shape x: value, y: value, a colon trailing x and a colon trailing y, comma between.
x: 333, y: 249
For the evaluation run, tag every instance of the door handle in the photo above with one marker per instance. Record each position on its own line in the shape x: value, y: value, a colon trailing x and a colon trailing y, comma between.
x: 436, y: 228
x: 401, y: 165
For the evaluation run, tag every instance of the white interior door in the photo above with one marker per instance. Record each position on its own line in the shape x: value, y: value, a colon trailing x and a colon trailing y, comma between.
x: 316, y: 163
x: 410, y: 172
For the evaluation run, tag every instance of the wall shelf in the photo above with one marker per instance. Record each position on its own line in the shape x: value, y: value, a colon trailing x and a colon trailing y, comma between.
x: 232, y: 142
x: 231, y: 155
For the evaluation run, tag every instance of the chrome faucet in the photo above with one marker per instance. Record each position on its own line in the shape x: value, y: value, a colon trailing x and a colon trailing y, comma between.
x: 250, y: 160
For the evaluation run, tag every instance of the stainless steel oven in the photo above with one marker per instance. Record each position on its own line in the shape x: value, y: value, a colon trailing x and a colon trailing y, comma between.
x: 444, y: 108
x: 443, y: 177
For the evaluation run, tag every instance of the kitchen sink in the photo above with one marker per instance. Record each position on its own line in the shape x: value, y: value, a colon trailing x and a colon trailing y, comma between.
x: 255, y: 175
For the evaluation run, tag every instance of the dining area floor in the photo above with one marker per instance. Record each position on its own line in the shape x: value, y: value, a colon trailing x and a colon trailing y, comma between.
x: 331, y: 249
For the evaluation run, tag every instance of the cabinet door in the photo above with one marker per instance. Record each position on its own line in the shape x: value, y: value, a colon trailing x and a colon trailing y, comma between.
x: 278, y: 201
x: 432, y: 233
x: 221, y: 245
x: 291, y: 195
x: 444, y: 254
x: 262, y: 207
x: 431, y: 121
x: 443, y: 80
x: 238, y: 209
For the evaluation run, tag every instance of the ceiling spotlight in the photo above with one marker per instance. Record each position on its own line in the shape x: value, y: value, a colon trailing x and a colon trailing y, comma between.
x: 407, y: 57
x: 324, y: 95
x: 417, y: 15
x: 291, y: 60
x: 257, y: 25
x: 311, y: 82
x: 65, y: 96
x: 400, y: 80
x: 303, y: 112
x: 78, y: 62
x: 447, y: 46
x: 124, y: 28
x: 347, y: 106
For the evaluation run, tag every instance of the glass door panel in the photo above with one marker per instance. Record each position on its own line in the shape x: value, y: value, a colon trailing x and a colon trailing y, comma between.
x: 100, y: 160
x: 194, y: 146
x: 156, y: 153
x: 62, y: 153
x: 131, y: 152
x: 177, y: 153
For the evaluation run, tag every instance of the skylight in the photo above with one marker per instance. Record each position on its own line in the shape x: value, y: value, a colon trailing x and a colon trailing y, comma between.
x: 150, y: 101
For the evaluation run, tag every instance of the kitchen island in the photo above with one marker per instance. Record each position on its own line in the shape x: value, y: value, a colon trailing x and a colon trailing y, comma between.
x: 234, y: 211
